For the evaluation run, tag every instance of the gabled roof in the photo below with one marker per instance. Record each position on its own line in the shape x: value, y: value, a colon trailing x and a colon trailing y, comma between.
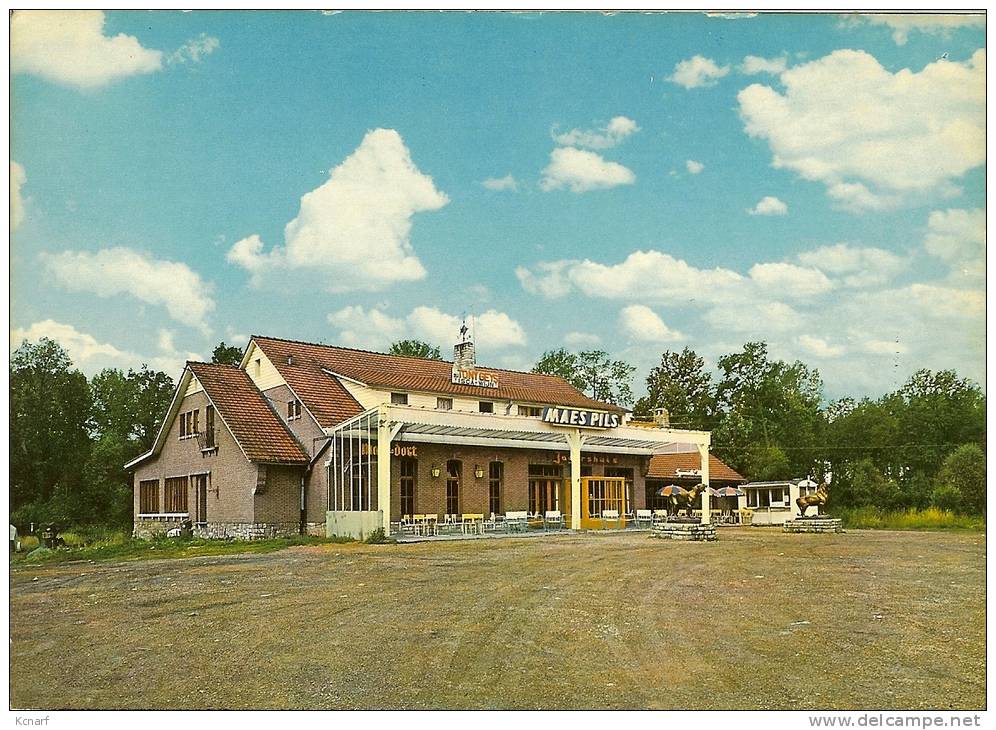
x: 325, y: 397
x: 665, y: 466
x: 261, y: 434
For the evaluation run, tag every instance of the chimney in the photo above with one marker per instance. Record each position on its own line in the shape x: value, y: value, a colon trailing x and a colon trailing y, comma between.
x: 463, y: 352
x: 661, y: 418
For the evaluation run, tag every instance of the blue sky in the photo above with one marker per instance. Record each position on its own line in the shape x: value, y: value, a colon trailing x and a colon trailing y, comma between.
x: 633, y: 183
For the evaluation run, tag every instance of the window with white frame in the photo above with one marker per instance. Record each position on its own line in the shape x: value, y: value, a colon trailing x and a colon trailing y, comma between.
x: 531, y: 411
x: 293, y: 409
x: 399, y: 399
x: 444, y: 404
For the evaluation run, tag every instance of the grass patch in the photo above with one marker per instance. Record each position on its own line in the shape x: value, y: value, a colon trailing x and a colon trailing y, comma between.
x: 932, y: 518
x: 119, y: 546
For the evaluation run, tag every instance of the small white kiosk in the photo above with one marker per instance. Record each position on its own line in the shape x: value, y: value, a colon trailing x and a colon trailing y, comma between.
x: 773, y: 503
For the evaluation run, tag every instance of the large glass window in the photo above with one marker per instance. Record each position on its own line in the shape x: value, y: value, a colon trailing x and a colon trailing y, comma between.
x: 453, y: 469
x: 495, y: 476
x: 409, y: 475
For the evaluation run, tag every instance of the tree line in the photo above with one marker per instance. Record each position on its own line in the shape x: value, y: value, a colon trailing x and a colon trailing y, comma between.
x: 923, y: 444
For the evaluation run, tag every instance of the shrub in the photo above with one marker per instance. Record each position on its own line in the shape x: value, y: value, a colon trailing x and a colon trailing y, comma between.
x: 965, y: 471
x: 947, y: 497
x: 377, y: 537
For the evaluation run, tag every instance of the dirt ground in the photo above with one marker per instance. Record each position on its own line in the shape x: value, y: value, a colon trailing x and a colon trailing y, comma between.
x: 758, y: 619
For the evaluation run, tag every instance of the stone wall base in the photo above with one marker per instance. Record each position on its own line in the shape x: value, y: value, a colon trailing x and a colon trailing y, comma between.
x: 814, y: 524
x: 149, y: 529
x: 684, y: 531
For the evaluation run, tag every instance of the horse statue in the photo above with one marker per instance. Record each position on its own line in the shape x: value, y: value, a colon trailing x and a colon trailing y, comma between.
x: 689, y: 499
x: 816, y: 499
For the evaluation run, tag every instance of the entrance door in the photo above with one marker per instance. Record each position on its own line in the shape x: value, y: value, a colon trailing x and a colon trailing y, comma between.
x: 544, y: 488
x: 200, y: 499
x: 599, y: 494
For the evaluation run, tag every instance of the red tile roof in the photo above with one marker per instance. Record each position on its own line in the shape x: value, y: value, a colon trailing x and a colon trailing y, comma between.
x: 263, y: 436
x: 665, y: 466
x: 329, y: 402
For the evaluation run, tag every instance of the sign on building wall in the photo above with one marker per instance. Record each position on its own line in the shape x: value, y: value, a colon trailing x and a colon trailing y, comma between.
x: 579, y: 418
x: 396, y: 450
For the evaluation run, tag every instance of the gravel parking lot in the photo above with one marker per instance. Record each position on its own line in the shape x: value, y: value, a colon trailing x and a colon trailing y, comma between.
x: 758, y: 619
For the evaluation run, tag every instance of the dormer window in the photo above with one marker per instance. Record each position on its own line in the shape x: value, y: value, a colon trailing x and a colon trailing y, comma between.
x: 399, y: 399
x: 293, y: 409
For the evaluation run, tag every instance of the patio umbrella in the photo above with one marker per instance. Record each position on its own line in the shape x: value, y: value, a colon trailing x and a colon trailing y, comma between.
x: 729, y: 492
x: 671, y: 490
x: 713, y: 492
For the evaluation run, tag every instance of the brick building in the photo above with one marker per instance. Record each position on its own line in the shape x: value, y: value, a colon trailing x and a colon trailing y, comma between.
x: 313, y: 438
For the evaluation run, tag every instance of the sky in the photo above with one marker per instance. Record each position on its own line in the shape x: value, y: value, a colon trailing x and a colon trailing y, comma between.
x: 632, y: 183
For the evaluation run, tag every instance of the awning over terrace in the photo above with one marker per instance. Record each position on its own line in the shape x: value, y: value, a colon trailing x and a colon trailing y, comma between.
x: 478, y: 436
x: 373, y: 431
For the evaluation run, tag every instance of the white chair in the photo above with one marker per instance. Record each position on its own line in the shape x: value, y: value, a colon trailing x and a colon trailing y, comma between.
x: 610, y: 515
x: 516, y: 521
x: 553, y: 518
x: 644, y: 517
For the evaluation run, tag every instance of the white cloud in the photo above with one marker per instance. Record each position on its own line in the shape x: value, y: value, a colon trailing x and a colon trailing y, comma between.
x: 640, y: 322
x: 17, y: 180
x: 581, y: 339
x: 769, y: 205
x: 698, y: 71
x: 501, y: 183
x: 90, y: 355
x: 857, y: 198
x: 758, y: 65
x: 820, y: 348
x: 69, y: 47
x: 873, y: 137
x: 694, y: 167
x: 114, y: 271
x: 759, y: 319
x: 373, y: 328
x: 933, y: 23
x: 958, y: 237
x: 195, y: 49
x: 354, y: 229
x: 855, y: 267
x: 582, y: 171
x: 790, y: 280
x: 883, y: 347
x: 618, y: 129
x: 650, y: 275
x: 366, y: 328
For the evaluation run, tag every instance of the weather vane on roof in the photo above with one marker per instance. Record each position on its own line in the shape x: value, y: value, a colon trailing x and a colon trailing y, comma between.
x: 463, y: 329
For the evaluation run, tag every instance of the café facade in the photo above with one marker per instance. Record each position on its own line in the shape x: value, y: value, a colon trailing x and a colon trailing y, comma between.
x: 319, y: 439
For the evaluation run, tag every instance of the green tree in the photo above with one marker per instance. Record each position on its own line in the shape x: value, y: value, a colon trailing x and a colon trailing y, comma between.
x: 592, y: 372
x: 127, y: 408
x: 964, y: 470
x: 681, y: 385
x: 764, y: 403
x: 226, y: 354
x: 49, y: 432
x: 415, y: 348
